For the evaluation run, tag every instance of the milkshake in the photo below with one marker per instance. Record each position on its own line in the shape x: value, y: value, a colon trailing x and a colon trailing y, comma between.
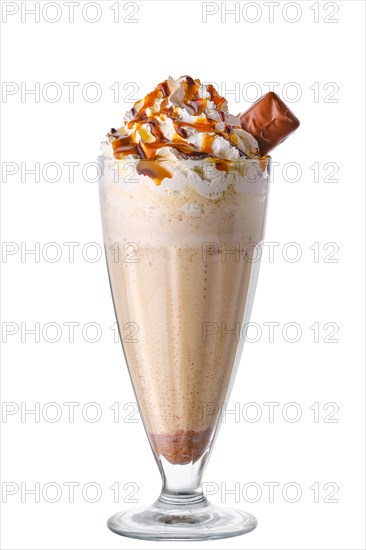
x: 183, y: 194
x: 181, y: 231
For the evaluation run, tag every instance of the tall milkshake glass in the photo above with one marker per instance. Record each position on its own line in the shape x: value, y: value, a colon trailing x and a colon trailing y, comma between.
x: 183, y: 256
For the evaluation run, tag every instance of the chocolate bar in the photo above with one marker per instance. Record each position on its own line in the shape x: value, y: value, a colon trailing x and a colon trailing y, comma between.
x: 270, y: 121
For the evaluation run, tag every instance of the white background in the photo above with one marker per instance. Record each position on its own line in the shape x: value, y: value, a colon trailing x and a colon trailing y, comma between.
x: 170, y: 38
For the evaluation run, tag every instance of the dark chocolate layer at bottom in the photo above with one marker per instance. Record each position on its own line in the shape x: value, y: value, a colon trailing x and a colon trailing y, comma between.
x: 182, y: 446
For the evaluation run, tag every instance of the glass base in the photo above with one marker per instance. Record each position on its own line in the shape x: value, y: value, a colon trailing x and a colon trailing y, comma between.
x: 202, y: 522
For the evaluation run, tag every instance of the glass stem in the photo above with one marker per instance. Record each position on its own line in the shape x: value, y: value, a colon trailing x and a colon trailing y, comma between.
x: 182, y: 484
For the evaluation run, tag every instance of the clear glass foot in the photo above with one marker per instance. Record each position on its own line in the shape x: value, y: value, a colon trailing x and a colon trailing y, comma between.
x: 189, y: 521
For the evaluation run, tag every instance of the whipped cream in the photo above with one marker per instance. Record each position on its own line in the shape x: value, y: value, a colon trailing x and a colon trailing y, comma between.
x: 181, y: 119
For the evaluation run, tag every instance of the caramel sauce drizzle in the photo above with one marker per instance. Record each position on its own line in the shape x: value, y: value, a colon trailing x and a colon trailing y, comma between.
x: 154, y: 170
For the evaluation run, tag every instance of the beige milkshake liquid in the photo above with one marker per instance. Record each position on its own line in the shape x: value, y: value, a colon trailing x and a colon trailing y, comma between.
x: 181, y: 264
